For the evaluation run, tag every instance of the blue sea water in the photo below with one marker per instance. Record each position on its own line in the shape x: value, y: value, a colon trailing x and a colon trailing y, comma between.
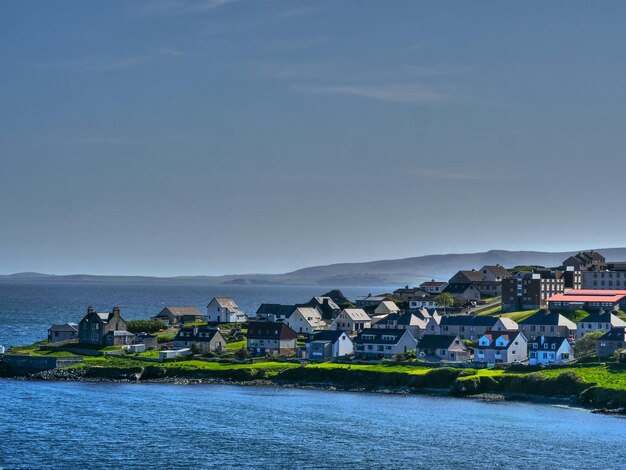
x: 108, y: 425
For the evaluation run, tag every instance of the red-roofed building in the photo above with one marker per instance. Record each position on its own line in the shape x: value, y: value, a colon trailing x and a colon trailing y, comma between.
x: 433, y: 287
x: 591, y: 300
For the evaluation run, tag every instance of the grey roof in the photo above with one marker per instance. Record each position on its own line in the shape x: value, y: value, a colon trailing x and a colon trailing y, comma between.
x: 436, y: 342
x: 470, y: 320
x: 120, y: 333
x: 226, y: 302
x: 181, y: 311
x: 378, y: 336
x: 275, y: 309
x: 541, y: 341
x: 71, y: 327
x: 327, y: 335
x: 550, y: 319
x: 471, y: 276
x: 403, y: 319
x: 497, y: 270
x: 511, y: 336
x: 614, y: 334
x: 606, y: 317
x: 457, y: 287
x: 195, y: 334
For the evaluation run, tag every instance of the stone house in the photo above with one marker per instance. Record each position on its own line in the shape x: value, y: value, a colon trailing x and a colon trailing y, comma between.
x: 204, y: 339
x: 63, y: 332
x: 94, y: 327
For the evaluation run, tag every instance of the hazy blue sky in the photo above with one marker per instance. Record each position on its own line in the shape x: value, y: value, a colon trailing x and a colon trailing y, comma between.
x: 221, y: 136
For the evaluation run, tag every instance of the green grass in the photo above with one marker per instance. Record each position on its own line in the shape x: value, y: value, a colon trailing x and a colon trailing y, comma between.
x: 205, y: 365
x: 235, y: 345
x: 34, y: 350
x: 611, y: 376
x: 390, y: 367
x: 490, y: 311
x: 519, y: 316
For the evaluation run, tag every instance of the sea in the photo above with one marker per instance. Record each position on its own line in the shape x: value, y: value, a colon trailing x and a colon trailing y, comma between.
x: 77, y: 425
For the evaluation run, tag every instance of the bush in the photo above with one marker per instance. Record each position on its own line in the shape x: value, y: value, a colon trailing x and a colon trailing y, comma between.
x: 141, y: 326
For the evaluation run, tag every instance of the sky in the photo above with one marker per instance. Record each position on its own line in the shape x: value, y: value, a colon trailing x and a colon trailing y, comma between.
x: 174, y: 137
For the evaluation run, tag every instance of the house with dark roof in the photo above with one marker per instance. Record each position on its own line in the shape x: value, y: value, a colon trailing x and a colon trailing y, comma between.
x: 586, y: 261
x: 549, y: 350
x: 383, y: 343
x: 611, y: 341
x: 352, y: 321
x: 179, y: 315
x: 224, y: 310
x: 369, y: 300
x: 463, y: 291
x: 494, y: 273
x: 274, y: 312
x: 63, y: 332
x: 271, y: 338
x: 325, y: 305
x: 545, y: 323
x: 466, y: 277
x: 403, y: 321
x: 328, y: 344
x: 599, y: 321
x: 406, y: 293
x: 423, y: 301
x: 466, y: 326
x: 203, y: 339
x: 496, y: 347
x: 95, y: 327
x: 437, y: 348
x: 433, y: 287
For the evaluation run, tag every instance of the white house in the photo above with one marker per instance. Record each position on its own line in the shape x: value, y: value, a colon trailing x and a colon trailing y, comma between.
x: 329, y: 344
x: 306, y: 320
x: 352, y: 321
x: 420, y: 302
x: 386, y: 307
x: 383, y: 343
x: 505, y: 347
x: 224, y: 310
x: 549, y: 350
x: 598, y: 322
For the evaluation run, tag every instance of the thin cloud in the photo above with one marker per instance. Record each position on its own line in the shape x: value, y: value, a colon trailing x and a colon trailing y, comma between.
x: 168, y: 7
x: 400, y: 93
x: 456, y: 175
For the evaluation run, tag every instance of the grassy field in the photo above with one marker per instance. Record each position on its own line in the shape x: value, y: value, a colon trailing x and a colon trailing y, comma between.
x: 236, y: 345
x: 607, y: 376
x: 519, y: 316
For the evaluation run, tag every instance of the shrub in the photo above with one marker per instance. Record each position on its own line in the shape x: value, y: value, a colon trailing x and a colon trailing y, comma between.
x: 141, y: 326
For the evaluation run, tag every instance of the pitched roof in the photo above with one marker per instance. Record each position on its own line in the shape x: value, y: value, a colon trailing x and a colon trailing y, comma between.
x: 550, y: 319
x: 181, y: 311
x: 325, y: 300
x: 195, y: 334
x: 458, y: 287
x: 356, y: 314
x: 275, y: 309
x: 437, y: 342
x: 539, y: 343
x: 510, y: 336
x: 614, y: 334
x: 327, y: 335
x: 508, y: 323
x: 270, y: 330
x: 226, y: 302
x: 380, y: 336
x: 433, y: 283
x: 403, y: 319
x: 496, y: 270
x: 391, y: 306
x: 606, y: 317
x: 470, y: 275
x: 71, y: 327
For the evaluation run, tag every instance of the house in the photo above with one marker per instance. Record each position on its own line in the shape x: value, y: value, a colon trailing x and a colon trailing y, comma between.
x: 94, y: 327
x: 386, y: 307
x: 489, y: 288
x: 306, y: 320
x: 549, y: 350
x: 403, y: 321
x: 119, y: 338
x: 586, y: 261
x: 224, y: 310
x: 329, y: 344
x: 424, y: 301
x: 203, y: 339
x: 148, y: 340
x: 611, y: 341
x: 433, y: 325
x: 501, y: 347
x: 179, y: 315
x: 271, y: 338
x: 466, y: 277
x: 528, y: 290
x: 545, y: 323
x: 466, y: 326
x: 603, y: 321
x: 433, y: 287
x: 63, y: 332
x: 274, y: 312
x: 406, y: 293
x: 494, y: 273
x: 383, y: 343
x: 442, y: 348
x: 505, y: 324
x: 352, y: 321
x: 326, y: 306
x: 463, y: 292
x: 590, y: 300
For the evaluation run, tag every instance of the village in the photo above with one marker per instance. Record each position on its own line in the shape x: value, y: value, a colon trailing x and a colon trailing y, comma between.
x: 484, y: 317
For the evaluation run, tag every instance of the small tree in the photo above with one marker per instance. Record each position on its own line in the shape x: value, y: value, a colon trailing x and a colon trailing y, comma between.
x: 587, y: 344
x: 445, y: 300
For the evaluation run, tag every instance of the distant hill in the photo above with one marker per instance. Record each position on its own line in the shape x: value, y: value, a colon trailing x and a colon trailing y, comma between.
x: 374, y: 273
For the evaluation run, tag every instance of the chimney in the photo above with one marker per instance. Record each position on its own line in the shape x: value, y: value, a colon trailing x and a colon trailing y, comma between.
x: 89, y: 310
x: 116, y: 310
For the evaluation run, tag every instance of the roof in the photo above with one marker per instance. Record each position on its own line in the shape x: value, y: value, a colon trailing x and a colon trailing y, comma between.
x: 471, y: 276
x: 433, y: 283
x: 66, y: 327
x: 458, y: 287
x: 195, y: 333
x: 356, y: 314
x: 614, y: 334
x: 541, y: 341
x: 375, y: 336
x: 327, y: 335
x: 437, y: 342
x: 182, y: 311
x: 508, y: 323
x: 275, y: 309
x: 270, y: 330
x: 481, y: 320
x: 496, y: 270
x: 606, y: 317
x: 403, y: 319
x: 226, y: 302
x: 543, y: 317
x: 120, y: 333
x: 325, y: 300
x: 391, y: 306
x: 581, y: 296
x: 510, y: 336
